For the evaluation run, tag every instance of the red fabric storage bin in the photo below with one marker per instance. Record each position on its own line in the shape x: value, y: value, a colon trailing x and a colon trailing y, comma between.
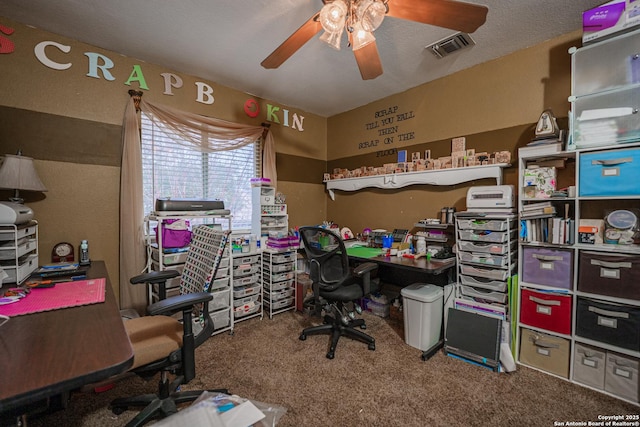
x: 546, y: 311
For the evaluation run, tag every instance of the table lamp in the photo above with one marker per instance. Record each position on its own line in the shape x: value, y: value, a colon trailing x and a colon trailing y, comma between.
x: 17, y: 173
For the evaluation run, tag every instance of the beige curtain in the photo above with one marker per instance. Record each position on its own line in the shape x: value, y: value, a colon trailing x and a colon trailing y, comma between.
x: 204, y: 133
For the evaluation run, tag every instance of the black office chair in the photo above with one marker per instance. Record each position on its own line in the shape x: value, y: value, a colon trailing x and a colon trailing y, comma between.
x: 161, y: 343
x: 336, y: 287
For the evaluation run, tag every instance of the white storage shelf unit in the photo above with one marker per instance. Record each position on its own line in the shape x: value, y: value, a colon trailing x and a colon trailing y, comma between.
x: 18, y: 251
x: 279, y: 281
x: 267, y: 216
x: 579, y: 306
x: 582, y: 322
x: 161, y: 258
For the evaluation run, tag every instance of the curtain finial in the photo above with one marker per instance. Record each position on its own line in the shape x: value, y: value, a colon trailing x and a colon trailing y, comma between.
x: 137, y: 96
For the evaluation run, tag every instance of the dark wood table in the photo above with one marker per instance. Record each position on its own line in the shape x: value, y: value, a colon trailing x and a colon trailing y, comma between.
x: 405, y: 271
x: 50, y: 353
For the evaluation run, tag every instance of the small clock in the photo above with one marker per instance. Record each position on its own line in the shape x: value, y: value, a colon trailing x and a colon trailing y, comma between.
x: 62, y: 252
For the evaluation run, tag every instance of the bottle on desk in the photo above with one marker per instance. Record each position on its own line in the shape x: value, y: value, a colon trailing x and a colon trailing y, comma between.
x: 84, y: 253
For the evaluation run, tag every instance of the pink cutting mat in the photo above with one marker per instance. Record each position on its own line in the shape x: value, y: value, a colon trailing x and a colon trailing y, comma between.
x: 62, y: 295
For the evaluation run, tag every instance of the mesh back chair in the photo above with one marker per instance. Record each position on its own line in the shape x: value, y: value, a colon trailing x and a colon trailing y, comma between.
x: 161, y: 343
x: 336, y: 287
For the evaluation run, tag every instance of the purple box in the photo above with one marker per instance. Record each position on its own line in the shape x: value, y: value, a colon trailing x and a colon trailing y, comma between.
x: 547, y: 267
x: 606, y: 20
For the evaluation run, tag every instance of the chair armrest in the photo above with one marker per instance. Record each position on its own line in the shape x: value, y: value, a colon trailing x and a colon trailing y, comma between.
x: 178, y: 303
x: 366, y: 267
x: 154, y: 277
x: 364, y: 271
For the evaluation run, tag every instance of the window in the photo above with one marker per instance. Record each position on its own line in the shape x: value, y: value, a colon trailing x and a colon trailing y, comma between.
x: 173, y: 170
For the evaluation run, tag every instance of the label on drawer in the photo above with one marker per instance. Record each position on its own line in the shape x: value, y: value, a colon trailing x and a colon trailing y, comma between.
x: 589, y: 362
x: 610, y: 171
x: 609, y: 323
x: 622, y: 373
x: 543, y: 351
x: 542, y: 309
x: 546, y: 266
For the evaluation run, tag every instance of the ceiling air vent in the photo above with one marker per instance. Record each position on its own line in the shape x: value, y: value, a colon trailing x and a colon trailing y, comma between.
x: 451, y: 44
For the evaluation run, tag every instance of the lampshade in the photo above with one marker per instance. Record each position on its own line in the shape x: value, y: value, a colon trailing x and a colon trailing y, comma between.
x: 360, y: 37
x: 370, y: 13
x: 332, y: 16
x: 18, y: 173
x: 333, y: 38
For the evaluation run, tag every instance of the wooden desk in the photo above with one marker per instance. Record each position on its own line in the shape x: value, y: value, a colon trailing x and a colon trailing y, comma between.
x: 45, y: 354
x: 405, y: 271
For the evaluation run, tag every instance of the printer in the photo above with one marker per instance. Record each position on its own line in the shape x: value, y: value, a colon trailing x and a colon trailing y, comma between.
x: 171, y: 206
x: 491, y: 199
x: 14, y: 213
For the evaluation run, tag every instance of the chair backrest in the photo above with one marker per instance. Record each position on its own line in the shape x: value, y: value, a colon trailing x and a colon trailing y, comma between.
x: 203, y: 259
x: 327, y: 256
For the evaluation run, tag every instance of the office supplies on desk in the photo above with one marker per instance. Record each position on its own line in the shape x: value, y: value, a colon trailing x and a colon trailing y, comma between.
x: 64, y: 295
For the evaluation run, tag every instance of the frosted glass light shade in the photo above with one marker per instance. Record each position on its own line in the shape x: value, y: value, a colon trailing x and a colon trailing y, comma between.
x: 332, y: 16
x: 361, y: 37
x: 333, y: 39
x: 370, y: 13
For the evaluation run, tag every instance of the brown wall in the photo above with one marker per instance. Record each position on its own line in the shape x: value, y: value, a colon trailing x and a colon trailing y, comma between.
x: 495, y: 106
x: 70, y: 124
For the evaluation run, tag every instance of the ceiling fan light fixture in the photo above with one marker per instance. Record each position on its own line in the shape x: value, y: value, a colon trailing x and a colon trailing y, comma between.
x: 360, y: 37
x: 370, y: 13
x: 333, y: 15
x: 332, y: 38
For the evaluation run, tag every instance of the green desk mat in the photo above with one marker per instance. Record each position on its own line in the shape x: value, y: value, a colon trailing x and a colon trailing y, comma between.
x: 363, y: 252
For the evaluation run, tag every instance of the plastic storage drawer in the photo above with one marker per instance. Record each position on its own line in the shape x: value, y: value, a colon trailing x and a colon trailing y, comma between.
x: 218, y: 283
x: 589, y: 366
x: 487, y: 273
x: 220, y: 319
x: 24, y: 247
x: 546, y: 352
x: 220, y: 300
x: 615, y: 324
x: 610, y: 173
x: 487, y: 248
x: 609, y: 65
x: 245, y: 260
x: 277, y: 305
x: 549, y: 267
x: 546, y: 311
x: 609, y: 274
x: 485, y: 236
x: 246, y: 291
x: 270, y: 287
x: 485, y: 259
x: 621, y: 377
x: 483, y: 224
x: 278, y: 295
x: 483, y: 295
x: 244, y: 281
x: 246, y: 310
x: 494, y: 285
x: 246, y: 300
x: 245, y: 270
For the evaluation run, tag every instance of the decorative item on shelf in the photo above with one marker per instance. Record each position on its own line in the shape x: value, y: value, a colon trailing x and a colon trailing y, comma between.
x: 621, y: 227
x: 539, y: 183
x: 18, y: 173
x: 280, y: 198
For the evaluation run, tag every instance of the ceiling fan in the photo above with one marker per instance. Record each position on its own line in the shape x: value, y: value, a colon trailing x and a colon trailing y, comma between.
x: 361, y: 17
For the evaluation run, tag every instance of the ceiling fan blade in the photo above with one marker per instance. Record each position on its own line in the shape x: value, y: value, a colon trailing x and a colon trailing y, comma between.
x: 293, y: 43
x: 368, y: 61
x: 452, y: 14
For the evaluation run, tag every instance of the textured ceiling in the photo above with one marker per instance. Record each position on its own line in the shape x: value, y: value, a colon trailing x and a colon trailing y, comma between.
x: 224, y: 41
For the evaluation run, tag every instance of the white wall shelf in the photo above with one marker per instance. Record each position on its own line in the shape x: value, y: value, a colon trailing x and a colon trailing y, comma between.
x: 430, y: 177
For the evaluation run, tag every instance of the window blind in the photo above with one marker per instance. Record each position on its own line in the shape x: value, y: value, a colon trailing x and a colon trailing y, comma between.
x: 173, y: 170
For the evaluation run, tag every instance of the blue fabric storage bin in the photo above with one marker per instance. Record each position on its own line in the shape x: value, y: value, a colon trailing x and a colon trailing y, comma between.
x: 610, y: 173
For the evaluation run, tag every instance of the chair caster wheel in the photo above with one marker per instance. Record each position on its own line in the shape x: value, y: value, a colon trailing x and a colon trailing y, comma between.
x: 372, y: 346
x: 118, y: 410
x: 302, y: 337
x: 363, y: 326
x: 331, y: 355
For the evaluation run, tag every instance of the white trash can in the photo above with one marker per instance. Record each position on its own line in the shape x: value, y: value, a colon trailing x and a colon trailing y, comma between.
x: 422, y: 306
